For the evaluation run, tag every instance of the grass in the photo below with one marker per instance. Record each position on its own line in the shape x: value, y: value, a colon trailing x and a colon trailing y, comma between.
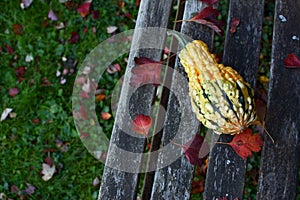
x: 43, y: 126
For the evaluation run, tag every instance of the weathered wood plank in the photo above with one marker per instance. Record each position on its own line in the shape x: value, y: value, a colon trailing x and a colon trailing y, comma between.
x: 160, y: 118
x: 226, y: 171
x: 280, y: 161
x: 118, y: 183
x: 174, y: 181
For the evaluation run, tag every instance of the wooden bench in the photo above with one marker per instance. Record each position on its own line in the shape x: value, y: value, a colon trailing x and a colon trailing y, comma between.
x: 226, y: 171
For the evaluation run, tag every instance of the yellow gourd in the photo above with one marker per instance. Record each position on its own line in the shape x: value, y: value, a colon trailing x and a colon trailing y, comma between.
x: 221, y: 99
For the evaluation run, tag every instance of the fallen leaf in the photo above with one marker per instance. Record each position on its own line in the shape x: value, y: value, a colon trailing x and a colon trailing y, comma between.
x: 30, y: 189
x: 3, y: 196
x: 20, y: 73
x: 25, y: 3
x: 96, y: 181
x: 14, y: 189
x: 49, y: 161
x: 28, y: 58
x: 192, y: 149
x: 47, y: 171
x: 51, y: 15
x: 86, y: 86
x: 60, y: 26
x: 74, y: 38
x: 9, y: 49
x: 263, y: 79
x: 95, y: 14
x: 35, y: 120
x: 65, y: 71
x: 245, y: 143
x: 147, y: 71
x: 13, y: 92
x: 292, y: 61
x: 197, y: 186
x: 84, y: 95
x: 84, y: 8
x: 234, y: 24
x: 80, y: 80
x: 71, y: 5
x: 105, y: 115
x: 62, y: 81
x: 100, y: 97
x: 113, y: 68
x: 208, y: 16
x: 84, y: 135
x: 83, y: 113
x: 127, y: 15
x: 12, y: 114
x: 45, y: 82
x: 86, y: 70
x: 111, y: 29
x: 210, y: 2
x: 5, y: 113
x: 137, y: 3
x: 63, y: 146
x: 141, y: 124
x: 18, y: 29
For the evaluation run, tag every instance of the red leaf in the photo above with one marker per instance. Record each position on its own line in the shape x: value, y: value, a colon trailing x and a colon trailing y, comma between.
x: 197, y: 186
x: 141, y: 124
x: 20, y: 73
x: 84, y: 8
x: 14, y: 189
x: 84, y: 95
x: 74, y: 38
x: 95, y: 14
x: 13, y: 91
x: 83, y: 113
x: 292, y: 61
x: 210, y: 2
x: 113, y: 68
x: 35, y: 120
x: 246, y: 142
x: 147, y: 71
x: 49, y: 161
x: 9, y: 49
x: 45, y: 82
x: 105, y: 115
x: 192, y: 149
x: 17, y: 29
x: 208, y: 16
x: 233, y: 25
x: 71, y: 5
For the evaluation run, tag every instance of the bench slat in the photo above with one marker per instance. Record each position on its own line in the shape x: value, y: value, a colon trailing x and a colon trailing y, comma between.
x: 280, y: 161
x: 118, y: 184
x: 226, y: 170
x: 174, y: 181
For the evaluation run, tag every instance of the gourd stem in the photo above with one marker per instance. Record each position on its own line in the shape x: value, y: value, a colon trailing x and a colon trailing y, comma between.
x: 180, y: 37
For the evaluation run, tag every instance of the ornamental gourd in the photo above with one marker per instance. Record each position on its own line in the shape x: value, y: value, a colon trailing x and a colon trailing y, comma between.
x: 221, y: 99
